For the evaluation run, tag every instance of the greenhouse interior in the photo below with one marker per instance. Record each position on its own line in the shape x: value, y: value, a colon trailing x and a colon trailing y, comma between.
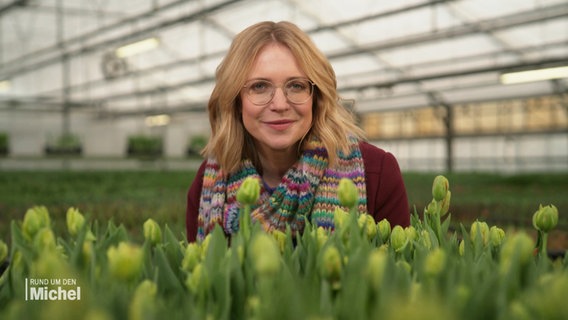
x: 104, y: 113
x: 426, y: 78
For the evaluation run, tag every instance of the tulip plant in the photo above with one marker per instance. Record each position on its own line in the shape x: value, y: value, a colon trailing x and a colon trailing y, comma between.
x: 363, y: 269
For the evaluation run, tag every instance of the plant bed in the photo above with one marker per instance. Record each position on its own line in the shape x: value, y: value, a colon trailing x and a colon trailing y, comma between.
x: 361, y: 270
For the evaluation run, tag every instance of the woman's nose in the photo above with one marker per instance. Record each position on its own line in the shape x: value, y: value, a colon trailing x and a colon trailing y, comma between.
x: 279, y: 101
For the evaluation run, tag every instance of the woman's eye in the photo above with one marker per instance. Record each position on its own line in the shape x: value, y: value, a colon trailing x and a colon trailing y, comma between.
x: 297, y: 86
x: 259, y: 86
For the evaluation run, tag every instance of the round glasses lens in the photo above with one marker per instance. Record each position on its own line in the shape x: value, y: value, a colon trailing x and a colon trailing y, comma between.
x: 298, y: 90
x: 261, y: 92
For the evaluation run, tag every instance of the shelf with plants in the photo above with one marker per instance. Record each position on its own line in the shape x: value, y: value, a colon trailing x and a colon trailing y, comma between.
x: 4, y: 144
x: 67, y: 144
x: 145, y: 146
x: 195, y: 144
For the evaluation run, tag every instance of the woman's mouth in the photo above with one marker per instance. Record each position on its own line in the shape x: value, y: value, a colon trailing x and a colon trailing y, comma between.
x: 279, y: 125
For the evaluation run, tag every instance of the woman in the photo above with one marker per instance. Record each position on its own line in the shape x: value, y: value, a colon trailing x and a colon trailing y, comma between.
x: 275, y: 114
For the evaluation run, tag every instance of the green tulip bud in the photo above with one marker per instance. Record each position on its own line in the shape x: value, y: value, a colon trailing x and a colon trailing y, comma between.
x: 462, y: 296
x: 425, y: 239
x: 518, y: 310
x: 152, y: 231
x: 205, y: 245
x: 198, y: 280
x: 518, y: 249
x: 404, y: 265
x: 367, y: 222
x: 75, y: 221
x: 435, y: 262
x: 252, y: 307
x: 376, y: 266
x: 445, y: 204
x: 3, y: 251
x: 461, y: 248
x: 241, y: 253
x: 265, y: 255
x: 143, y: 303
x: 545, y: 218
x: 331, y: 264
x: 49, y: 265
x: 35, y: 219
x: 347, y: 193
x: 45, y: 240
x: 384, y: 230
x: 340, y: 218
x: 411, y: 233
x: 398, y: 239
x: 433, y: 208
x: 191, y: 257
x: 440, y: 187
x: 125, y: 261
x: 280, y: 238
x: 479, y: 229
x: 322, y: 236
x: 249, y: 191
x: 88, y: 251
x: 496, y: 236
x: 97, y: 314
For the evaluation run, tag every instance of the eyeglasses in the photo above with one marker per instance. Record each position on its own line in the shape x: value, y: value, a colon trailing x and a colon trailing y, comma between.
x: 261, y: 92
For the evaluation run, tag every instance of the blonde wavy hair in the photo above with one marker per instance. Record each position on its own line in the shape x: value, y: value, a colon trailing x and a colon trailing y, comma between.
x: 230, y: 143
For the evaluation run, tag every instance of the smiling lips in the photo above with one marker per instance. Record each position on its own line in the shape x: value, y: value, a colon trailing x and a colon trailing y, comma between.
x: 279, y: 125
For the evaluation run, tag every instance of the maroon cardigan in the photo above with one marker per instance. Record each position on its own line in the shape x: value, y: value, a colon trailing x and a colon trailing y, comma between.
x: 386, y: 194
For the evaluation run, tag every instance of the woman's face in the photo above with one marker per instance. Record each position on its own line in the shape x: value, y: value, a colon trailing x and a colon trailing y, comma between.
x: 276, y: 125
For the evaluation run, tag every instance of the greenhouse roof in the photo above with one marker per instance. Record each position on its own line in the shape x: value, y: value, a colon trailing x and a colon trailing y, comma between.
x: 387, y: 54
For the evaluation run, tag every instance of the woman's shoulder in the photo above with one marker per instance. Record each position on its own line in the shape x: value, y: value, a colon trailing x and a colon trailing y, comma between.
x: 368, y: 149
x: 374, y: 157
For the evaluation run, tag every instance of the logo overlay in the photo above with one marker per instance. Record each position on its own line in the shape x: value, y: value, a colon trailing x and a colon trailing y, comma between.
x: 52, y: 289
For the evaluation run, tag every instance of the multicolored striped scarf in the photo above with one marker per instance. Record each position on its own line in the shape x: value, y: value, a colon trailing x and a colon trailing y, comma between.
x: 306, y: 191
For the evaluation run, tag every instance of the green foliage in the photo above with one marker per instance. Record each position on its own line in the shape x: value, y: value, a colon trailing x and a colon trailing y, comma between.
x: 195, y: 144
x: 64, y: 144
x: 354, y: 272
x: 130, y: 197
x: 4, y: 140
x: 67, y: 141
x: 140, y: 145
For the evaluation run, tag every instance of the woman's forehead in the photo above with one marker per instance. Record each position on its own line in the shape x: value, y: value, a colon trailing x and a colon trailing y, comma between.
x: 275, y: 61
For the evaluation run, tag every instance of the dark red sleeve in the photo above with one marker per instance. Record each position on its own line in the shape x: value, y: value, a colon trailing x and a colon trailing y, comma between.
x: 192, y: 211
x: 386, y: 193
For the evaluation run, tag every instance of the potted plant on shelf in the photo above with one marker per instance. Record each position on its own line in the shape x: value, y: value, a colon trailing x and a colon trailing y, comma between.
x: 67, y: 144
x: 145, y: 146
x: 4, y: 141
x: 195, y: 145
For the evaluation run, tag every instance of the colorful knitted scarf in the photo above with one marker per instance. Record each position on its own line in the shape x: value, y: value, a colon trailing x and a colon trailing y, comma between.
x: 306, y: 191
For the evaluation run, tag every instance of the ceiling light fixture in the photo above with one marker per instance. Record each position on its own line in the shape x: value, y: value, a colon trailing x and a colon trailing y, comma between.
x: 5, y: 85
x: 157, y: 120
x: 534, y: 75
x: 137, y: 47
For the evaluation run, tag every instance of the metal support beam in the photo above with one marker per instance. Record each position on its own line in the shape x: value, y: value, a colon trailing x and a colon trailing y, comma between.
x: 13, y: 5
x: 52, y: 59
x: 448, y: 120
x: 457, y: 73
x: 485, y: 26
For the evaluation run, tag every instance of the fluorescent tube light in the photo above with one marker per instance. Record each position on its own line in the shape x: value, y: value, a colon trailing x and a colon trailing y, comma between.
x: 5, y: 85
x: 534, y: 75
x: 137, y: 47
x: 157, y: 120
